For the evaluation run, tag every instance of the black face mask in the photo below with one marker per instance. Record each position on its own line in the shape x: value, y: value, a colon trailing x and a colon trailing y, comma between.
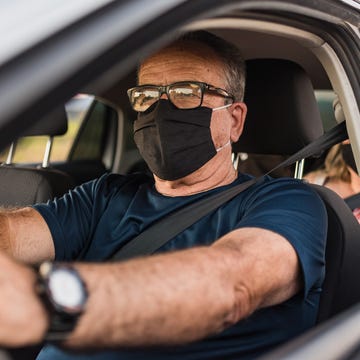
x: 174, y: 142
x: 348, y: 156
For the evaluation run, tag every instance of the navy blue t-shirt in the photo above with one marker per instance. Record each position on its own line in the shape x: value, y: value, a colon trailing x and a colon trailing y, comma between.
x: 94, y: 220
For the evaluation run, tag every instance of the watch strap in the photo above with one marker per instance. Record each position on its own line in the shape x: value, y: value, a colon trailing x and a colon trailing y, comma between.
x: 62, y: 323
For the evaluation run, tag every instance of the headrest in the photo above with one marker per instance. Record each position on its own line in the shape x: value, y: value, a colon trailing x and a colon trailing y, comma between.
x: 53, y: 124
x: 283, y: 115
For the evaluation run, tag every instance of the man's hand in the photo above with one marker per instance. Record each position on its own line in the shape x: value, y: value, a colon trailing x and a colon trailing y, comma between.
x: 22, y: 317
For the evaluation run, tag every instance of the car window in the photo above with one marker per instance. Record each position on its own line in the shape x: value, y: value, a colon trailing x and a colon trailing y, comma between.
x: 31, y: 149
x: 325, y: 99
x: 93, y: 137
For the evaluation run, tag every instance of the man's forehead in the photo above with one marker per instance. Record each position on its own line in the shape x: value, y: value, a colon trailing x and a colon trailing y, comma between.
x: 184, y: 50
x: 179, y: 62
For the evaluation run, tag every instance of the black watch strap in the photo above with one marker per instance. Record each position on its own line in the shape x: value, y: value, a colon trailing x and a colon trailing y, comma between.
x: 63, y: 317
x: 60, y: 325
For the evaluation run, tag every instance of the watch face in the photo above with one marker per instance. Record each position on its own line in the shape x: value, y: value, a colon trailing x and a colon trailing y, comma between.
x: 66, y: 289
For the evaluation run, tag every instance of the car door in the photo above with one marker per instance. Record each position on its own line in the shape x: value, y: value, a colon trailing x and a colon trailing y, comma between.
x: 102, y: 42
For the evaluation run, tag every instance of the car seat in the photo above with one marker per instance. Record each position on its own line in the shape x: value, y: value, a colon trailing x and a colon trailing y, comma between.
x: 283, y: 116
x: 27, y: 185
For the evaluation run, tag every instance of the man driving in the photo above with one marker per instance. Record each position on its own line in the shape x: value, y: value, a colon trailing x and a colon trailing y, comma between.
x: 238, y: 282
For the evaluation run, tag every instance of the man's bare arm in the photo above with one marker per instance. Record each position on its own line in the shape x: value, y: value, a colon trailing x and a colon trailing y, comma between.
x: 164, y: 299
x: 25, y: 235
x: 187, y: 295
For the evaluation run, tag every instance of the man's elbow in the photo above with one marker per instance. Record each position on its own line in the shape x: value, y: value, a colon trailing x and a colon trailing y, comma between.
x: 241, y: 306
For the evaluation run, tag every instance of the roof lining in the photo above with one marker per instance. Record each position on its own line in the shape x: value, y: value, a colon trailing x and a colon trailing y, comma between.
x: 303, y: 37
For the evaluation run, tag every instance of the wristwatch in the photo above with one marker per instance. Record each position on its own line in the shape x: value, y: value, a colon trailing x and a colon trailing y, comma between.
x: 64, y: 295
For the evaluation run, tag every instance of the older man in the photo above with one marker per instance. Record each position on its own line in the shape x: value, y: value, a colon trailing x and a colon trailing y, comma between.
x: 242, y: 279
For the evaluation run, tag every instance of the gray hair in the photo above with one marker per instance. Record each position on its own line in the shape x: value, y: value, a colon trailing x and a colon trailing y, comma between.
x: 230, y: 56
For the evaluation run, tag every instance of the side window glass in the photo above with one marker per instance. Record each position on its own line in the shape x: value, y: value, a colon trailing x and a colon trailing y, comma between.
x: 76, y: 109
x: 31, y: 149
x: 97, y: 136
x: 325, y: 100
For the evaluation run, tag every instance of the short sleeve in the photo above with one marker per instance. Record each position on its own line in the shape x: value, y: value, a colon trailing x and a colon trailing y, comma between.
x: 294, y: 210
x: 71, y: 218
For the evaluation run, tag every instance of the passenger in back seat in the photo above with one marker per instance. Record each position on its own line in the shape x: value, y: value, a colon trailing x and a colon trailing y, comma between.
x: 237, y: 283
x: 339, y: 173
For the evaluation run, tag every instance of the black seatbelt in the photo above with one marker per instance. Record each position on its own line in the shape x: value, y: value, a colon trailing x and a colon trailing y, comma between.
x: 173, y: 224
x: 353, y: 201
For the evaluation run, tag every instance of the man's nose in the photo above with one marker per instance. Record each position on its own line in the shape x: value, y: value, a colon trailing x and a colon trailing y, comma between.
x: 163, y: 94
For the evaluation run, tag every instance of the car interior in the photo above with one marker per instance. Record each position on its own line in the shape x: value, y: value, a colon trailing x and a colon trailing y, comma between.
x: 25, y: 185
x: 293, y: 78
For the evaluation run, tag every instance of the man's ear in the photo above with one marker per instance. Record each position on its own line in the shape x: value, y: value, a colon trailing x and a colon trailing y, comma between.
x: 238, y: 113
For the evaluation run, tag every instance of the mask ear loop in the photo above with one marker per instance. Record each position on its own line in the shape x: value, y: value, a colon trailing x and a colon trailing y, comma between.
x: 221, y: 107
x: 222, y: 147
x: 228, y: 143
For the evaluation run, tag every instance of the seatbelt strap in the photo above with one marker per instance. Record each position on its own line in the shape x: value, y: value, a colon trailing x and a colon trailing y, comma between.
x: 353, y: 201
x: 165, y: 229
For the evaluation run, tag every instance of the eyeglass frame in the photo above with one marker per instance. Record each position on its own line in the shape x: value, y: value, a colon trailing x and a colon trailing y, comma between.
x: 164, y: 89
